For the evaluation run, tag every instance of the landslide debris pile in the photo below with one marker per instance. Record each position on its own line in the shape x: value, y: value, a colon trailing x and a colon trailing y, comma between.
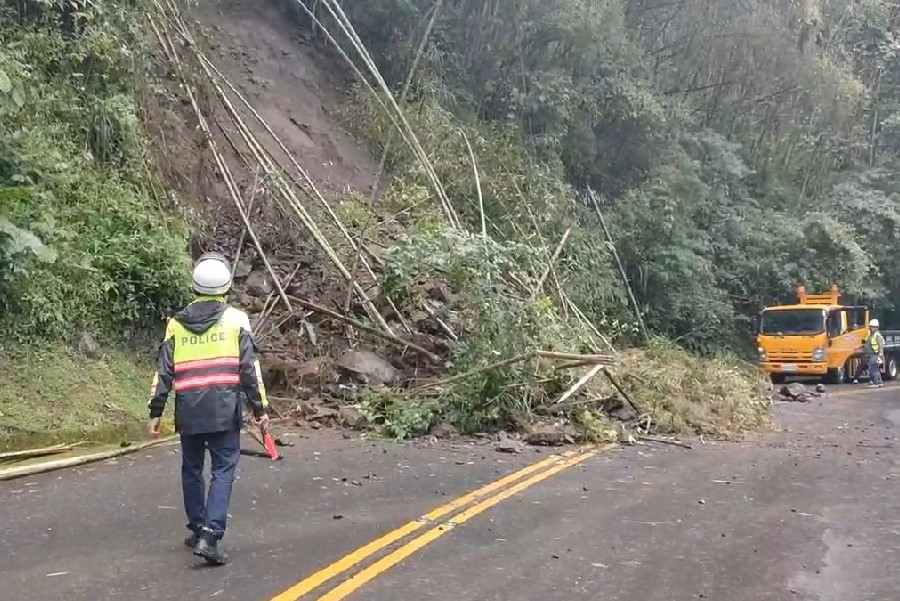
x: 441, y: 328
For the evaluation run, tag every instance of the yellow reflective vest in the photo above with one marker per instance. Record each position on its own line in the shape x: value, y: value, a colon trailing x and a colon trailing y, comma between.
x: 208, y: 358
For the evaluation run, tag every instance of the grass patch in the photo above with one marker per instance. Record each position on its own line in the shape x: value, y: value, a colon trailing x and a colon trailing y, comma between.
x: 686, y: 394
x: 55, y: 395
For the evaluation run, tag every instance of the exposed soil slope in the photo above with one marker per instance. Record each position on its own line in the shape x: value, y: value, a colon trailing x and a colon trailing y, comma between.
x: 296, y: 90
x: 292, y: 85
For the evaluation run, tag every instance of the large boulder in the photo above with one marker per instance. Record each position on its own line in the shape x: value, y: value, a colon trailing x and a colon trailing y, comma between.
x: 550, y: 436
x: 367, y: 367
x: 258, y: 284
x: 796, y: 392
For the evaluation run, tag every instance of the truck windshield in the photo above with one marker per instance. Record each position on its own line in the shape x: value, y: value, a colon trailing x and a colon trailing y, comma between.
x: 793, y: 322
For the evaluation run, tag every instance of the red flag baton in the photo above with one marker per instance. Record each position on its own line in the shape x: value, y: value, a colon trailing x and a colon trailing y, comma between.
x: 268, y: 443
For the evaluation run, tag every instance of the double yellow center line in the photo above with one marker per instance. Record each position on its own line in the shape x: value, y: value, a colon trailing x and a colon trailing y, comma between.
x: 486, y: 497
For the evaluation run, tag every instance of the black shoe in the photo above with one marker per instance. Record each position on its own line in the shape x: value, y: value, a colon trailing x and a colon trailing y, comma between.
x: 207, y: 548
x: 192, y: 540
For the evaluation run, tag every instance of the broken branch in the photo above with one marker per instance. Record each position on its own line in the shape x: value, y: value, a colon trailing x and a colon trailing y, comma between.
x: 365, y: 328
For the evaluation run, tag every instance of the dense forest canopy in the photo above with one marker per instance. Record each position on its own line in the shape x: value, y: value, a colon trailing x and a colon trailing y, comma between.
x: 738, y: 148
x: 735, y: 149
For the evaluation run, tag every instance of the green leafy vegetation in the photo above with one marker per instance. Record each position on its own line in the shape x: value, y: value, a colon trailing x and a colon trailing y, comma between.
x: 84, y: 242
x: 733, y: 149
x: 85, y: 245
x: 737, y: 148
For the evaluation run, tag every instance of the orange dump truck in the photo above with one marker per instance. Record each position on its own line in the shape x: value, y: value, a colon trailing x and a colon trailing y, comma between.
x: 819, y: 336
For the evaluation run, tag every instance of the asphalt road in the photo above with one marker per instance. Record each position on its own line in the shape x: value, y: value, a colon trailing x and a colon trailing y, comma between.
x: 812, y: 513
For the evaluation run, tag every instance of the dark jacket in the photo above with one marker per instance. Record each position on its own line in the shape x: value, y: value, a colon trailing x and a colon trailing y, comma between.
x: 209, y: 358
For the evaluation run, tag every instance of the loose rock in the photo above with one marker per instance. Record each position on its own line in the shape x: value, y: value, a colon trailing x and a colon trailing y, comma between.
x: 796, y: 392
x: 619, y: 410
x: 367, y: 367
x: 438, y: 292
x: 350, y: 417
x: 509, y: 445
x: 325, y: 414
x: 258, y: 284
x: 243, y: 269
x: 444, y: 431
x: 548, y: 436
x: 310, y: 371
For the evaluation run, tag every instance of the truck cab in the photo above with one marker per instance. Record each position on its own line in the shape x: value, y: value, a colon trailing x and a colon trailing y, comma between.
x: 817, y: 336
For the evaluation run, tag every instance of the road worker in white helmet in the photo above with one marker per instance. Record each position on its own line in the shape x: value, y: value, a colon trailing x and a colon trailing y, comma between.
x: 872, y: 354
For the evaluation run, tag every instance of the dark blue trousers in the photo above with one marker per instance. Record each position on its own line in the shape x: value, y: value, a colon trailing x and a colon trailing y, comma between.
x: 208, y: 511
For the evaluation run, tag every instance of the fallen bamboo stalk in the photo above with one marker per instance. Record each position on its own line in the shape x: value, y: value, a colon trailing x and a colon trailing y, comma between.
x: 220, y: 161
x: 440, y: 323
x: 475, y: 372
x: 614, y: 381
x: 580, y: 383
x: 384, y: 154
x: 260, y: 338
x: 315, y: 193
x: 31, y: 470
x: 581, y: 316
x: 41, y: 452
x: 365, y: 328
x: 615, y: 253
x: 270, y: 168
x: 236, y: 199
x: 253, y: 192
x: 587, y: 359
x: 595, y: 358
x: 669, y: 441
x: 574, y: 365
x: 394, y: 113
x: 267, y: 308
x: 477, y: 184
x: 549, y: 268
x: 537, y: 229
x: 368, y: 85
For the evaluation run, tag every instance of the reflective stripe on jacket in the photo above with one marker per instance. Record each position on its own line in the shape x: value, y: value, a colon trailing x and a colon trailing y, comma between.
x: 208, y: 357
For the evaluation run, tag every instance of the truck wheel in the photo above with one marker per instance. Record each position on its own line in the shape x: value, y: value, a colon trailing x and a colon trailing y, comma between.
x: 890, y: 372
x: 837, y: 375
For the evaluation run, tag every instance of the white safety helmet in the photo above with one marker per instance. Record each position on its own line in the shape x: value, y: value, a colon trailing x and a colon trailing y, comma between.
x: 211, y: 275
x: 873, y: 323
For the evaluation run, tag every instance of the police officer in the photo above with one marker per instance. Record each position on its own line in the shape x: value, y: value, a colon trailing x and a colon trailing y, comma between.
x: 208, y: 357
